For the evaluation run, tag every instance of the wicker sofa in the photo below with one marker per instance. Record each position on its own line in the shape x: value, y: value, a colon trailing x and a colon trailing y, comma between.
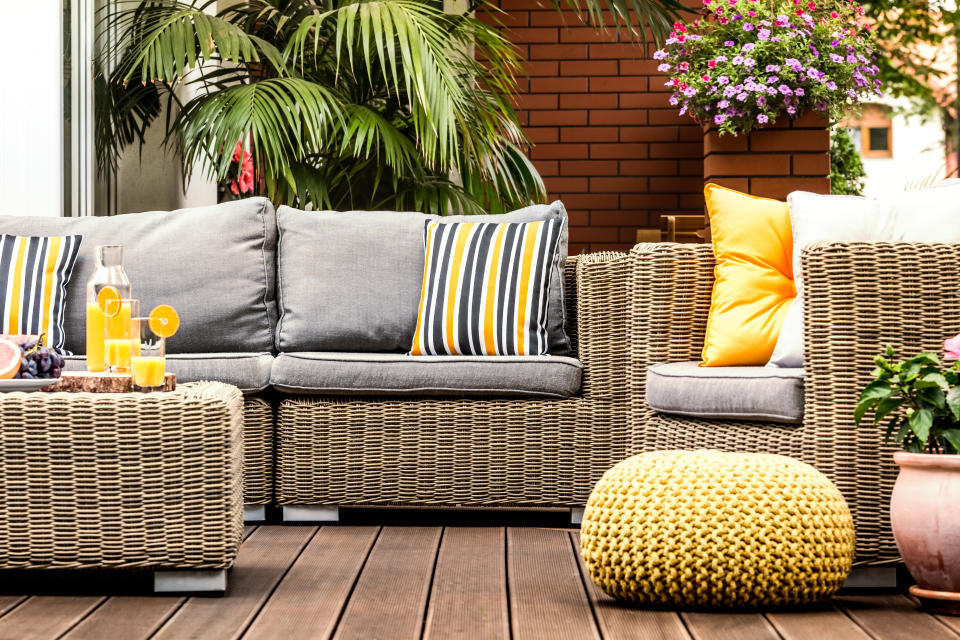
x: 859, y: 297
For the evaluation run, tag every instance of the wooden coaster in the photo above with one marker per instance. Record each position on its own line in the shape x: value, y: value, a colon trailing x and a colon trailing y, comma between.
x: 84, y: 381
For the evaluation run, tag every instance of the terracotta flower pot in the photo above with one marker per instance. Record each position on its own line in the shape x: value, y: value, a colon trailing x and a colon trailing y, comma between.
x: 926, y: 524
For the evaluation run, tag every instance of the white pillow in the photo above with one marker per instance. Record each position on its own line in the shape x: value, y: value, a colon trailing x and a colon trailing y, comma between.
x: 926, y: 215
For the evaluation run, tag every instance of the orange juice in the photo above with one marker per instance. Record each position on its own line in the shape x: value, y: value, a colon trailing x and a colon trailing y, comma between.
x: 119, y: 325
x: 148, y: 371
x: 118, y: 353
x: 95, y: 327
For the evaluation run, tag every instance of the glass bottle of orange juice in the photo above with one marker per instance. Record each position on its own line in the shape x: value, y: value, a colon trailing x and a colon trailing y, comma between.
x: 108, y: 271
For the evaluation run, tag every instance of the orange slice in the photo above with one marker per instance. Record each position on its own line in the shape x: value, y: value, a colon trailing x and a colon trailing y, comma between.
x: 164, y: 321
x: 9, y: 359
x: 109, y: 301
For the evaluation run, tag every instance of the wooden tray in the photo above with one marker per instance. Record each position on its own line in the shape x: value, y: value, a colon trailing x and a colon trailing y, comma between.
x: 77, y: 381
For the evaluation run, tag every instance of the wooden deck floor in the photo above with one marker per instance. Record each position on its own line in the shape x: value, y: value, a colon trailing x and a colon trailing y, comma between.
x: 394, y: 583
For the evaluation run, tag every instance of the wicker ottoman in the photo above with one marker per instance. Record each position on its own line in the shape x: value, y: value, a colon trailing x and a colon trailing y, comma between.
x: 129, y: 480
x: 712, y: 529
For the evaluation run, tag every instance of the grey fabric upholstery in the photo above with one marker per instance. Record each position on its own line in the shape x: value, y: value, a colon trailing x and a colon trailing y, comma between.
x: 350, y: 281
x: 250, y: 372
x: 215, y: 265
x: 385, y: 374
x: 735, y: 393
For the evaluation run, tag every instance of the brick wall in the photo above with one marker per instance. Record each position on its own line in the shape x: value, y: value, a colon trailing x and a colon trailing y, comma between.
x: 607, y: 143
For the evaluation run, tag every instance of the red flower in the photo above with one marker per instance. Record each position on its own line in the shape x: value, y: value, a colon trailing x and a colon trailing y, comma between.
x: 834, y: 14
x: 712, y: 63
x: 245, y: 177
x: 706, y: 78
x: 811, y: 6
x: 799, y: 12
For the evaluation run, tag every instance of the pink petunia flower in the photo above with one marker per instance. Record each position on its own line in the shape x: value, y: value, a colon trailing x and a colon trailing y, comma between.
x: 951, y: 347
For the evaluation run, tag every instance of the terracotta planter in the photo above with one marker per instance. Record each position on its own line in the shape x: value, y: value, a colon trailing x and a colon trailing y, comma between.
x: 926, y: 524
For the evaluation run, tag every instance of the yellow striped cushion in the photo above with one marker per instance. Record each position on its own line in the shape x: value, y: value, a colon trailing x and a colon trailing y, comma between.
x: 484, y: 288
x: 34, y: 272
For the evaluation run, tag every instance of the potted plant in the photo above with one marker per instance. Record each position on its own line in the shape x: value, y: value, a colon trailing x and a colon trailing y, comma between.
x: 920, y: 400
x: 742, y: 64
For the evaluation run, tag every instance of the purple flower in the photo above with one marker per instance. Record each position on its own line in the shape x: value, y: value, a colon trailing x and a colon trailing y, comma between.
x: 737, y: 60
x: 821, y: 106
x: 835, y: 44
x: 729, y: 43
x: 748, y: 26
x: 852, y: 59
x: 762, y: 118
x: 663, y: 67
x: 763, y: 34
x: 729, y: 92
x: 683, y: 109
x: 774, y: 39
x: 773, y: 79
x: 785, y: 90
x: 674, y: 100
x: 793, y: 63
x: 761, y: 101
x: 723, y: 104
x: 719, y: 118
x: 836, y: 58
x: 772, y: 67
x: 799, y: 92
x: 791, y: 110
x: 689, y: 92
x: 742, y: 96
x: 832, y: 85
x: 749, y: 46
x: 749, y: 62
x: 660, y: 54
x: 722, y: 80
x: 852, y: 93
x: 721, y: 58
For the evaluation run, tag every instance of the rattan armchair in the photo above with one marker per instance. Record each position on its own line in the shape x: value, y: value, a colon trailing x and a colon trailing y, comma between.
x: 859, y: 297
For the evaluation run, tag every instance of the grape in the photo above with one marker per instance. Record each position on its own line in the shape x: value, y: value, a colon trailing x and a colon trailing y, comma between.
x: 38, y: 362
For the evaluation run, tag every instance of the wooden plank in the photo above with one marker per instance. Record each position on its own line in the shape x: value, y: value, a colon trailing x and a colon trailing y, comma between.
x: 624, y: 621
x: 547, y: 598
x: 390, y: 598
x: 728, y: 626
x: 45, y: 617
x: 263, y: 560
x: 9, y: 602
x: 469, y: 595
x: 309, y: 600
x: 893, y: 617
x: 816, y: 623
x: 126, y: 617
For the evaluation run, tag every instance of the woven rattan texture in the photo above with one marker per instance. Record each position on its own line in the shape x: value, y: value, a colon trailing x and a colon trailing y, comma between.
x: 498, y: 451
x: 121, y: 480
x: 257, y: 451
x: 712, y: 529
x: 860, y: 297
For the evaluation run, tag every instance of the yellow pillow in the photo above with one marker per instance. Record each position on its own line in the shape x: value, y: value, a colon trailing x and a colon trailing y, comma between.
x: 753, y: 289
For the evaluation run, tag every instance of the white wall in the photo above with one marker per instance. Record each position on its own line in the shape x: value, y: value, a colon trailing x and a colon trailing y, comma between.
x: 918, y: 153
x: 31, y: 110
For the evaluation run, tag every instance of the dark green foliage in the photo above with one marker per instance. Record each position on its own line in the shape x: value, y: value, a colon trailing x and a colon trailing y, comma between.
x: 846, y: 166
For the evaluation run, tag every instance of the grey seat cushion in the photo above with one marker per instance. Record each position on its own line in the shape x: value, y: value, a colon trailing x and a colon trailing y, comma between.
x: 215, y: 265
x: 389, y: 374
x: 351, y: 281
x: 735, y: 393
x: 250, y: 372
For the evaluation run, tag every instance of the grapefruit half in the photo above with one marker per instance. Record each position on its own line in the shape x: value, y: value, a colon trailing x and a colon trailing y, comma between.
x: 9, y: 359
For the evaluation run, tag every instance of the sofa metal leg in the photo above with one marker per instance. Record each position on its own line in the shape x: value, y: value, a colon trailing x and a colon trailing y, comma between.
x: 576, y: 515
x: 254, y: 512
x: 190, y: 581
x: 872, y: 577
x: 311, y: 513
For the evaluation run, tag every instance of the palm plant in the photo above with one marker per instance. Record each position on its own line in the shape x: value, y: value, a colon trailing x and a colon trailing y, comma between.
x: 342, y: 104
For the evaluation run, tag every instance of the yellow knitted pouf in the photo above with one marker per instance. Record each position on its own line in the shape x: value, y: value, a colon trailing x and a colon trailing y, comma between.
x: 713, y: 529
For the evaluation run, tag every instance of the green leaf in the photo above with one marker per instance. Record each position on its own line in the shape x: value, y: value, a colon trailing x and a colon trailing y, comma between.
x: 885, y: 407
x: 953, y: 401
x: 911, y: 368
x: 920, y: 423
x: 862, y: 408
x: 878, y: 389
x: 953, y: 437
x: 932, y: 396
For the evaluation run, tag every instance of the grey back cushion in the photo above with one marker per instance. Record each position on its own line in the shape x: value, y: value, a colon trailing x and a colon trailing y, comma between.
x: 214, y: 265
x: 350, y: 281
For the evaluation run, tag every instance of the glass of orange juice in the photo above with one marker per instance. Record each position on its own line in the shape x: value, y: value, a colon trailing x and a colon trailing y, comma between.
x: 122, y: 336
x: 149, y: 363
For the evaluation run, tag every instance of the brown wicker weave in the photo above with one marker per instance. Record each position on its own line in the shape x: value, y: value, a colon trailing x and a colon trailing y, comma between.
x: 257, y: 451
x: 477, y: 452
x: 121, y: 480
x: 858, y: 298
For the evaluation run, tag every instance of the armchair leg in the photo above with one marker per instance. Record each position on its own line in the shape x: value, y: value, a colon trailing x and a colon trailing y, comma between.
x: 576, y: 515
x: 311, y: 513
x: 190, y: 581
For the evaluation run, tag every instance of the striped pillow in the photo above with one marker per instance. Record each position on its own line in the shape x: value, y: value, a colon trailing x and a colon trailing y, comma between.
x: 34, y: 272
x: 485, y: 288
